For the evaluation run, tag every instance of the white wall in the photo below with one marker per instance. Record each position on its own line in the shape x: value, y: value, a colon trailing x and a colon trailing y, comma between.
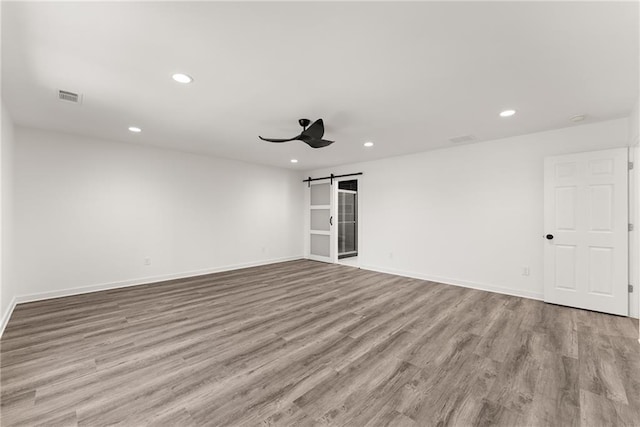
x: 88, y: 213
x: 7, y: 285
x: 469, y: 215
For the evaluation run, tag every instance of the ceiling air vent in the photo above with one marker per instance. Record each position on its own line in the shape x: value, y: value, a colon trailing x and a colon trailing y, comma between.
x: 67, y: 96
x: 463, y: 138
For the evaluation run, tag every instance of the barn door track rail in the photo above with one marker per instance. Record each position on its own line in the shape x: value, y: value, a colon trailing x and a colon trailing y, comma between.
x: 331, y: 177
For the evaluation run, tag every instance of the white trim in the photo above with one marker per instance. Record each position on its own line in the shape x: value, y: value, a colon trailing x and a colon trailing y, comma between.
x: 458, y: 282
x: 145, y: 280
x: 318, y: 258
x: 7, y: 315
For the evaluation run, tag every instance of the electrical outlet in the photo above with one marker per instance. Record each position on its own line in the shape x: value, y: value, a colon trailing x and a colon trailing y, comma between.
x: 147, y: 261
x: 390, y: 255
x: 525, y: 271
x: 264, y: 250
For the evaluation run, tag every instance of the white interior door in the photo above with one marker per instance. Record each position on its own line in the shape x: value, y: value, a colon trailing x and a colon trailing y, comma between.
x: 586, y: 230
x: 321, y: 246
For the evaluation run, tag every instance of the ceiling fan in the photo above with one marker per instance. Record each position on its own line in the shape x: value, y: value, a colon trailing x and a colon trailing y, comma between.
x: 312, y: 136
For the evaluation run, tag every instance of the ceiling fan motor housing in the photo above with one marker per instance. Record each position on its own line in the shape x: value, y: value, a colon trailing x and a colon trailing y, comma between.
x: 304, y: 122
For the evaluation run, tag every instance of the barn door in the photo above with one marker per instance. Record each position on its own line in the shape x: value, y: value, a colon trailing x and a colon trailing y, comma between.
x: 321, y: 222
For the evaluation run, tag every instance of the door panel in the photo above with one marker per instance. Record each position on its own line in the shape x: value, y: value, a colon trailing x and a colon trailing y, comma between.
x: 320, y: 219
x: 601, y: 270
x: 585, y: 262
x: 320, y: 194
x: 601, y: 208
x: 565, y: 267
x: 320, y: 245
x: 565, y: 208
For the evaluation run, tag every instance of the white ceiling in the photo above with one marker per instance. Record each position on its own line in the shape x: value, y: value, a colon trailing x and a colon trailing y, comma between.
x: 407, y: 76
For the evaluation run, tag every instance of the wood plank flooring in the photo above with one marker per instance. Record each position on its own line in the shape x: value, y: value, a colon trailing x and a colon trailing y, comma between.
x: 306, y: 343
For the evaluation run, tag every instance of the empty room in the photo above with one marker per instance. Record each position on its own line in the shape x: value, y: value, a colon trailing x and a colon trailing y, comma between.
x: 319, y: 213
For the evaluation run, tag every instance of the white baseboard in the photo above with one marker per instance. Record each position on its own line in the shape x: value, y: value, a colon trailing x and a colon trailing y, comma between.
x: 146, y: 280
x: 6, y: 316
x: 133, y: 282
x: 457, y: 282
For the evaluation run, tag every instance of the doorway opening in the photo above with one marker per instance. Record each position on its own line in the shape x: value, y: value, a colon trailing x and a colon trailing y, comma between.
x: 347, y: 207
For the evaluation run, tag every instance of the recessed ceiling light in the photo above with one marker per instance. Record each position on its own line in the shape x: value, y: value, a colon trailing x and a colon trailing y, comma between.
x: 182, y: 78
x: 294, y: 160
x: 368, y: 144
x: 135, y: 129
x: 578, y: 118
x: 507, y: 113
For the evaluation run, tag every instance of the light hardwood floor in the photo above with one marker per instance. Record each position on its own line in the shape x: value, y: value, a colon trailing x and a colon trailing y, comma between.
x: 303, y: 343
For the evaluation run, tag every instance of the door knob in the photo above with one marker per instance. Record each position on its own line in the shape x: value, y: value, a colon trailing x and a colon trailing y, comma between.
x: 549, y: 236
x: 330, y: 220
